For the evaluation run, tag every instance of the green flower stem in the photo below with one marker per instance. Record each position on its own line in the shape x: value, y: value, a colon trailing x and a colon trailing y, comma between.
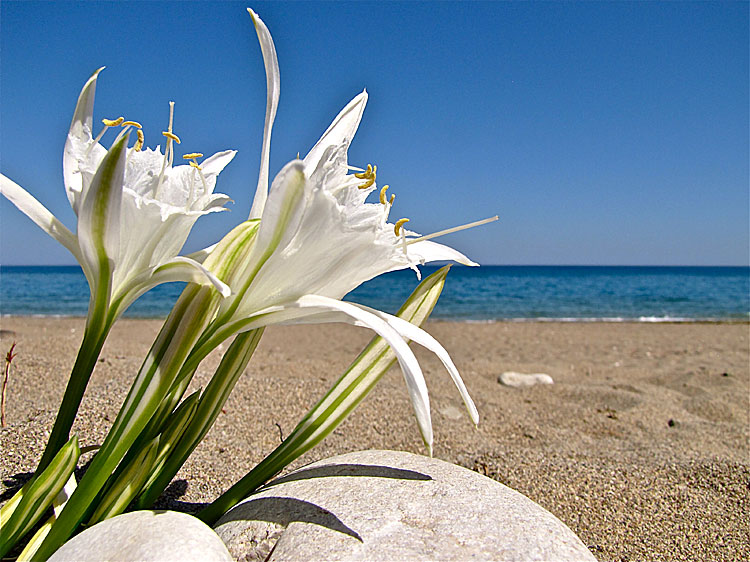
x: 163, y: 414
x: 199, y: 352
x: 97, y: 328
x: 182, y: 328
x: 172, y: 399
x: 172, y: 433
x: 212, y: 400
x: 326, y: 415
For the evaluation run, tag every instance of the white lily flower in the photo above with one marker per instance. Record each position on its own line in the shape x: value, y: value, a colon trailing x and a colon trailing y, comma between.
x: 318, y: 239
x: 135, y: 210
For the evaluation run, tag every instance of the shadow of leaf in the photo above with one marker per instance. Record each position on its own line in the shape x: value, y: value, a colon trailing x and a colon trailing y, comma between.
x: 284, y: 511
x: 169, y: 499
x: 14, y: 483
x: 373, y: 471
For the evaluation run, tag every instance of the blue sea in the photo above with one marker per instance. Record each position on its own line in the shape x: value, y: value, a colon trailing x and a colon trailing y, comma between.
x: 487, y: 293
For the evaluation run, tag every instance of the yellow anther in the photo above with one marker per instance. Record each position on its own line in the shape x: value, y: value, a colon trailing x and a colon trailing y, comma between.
x: 192, y: 155
x: 172, y: 136
x: 366, y: 174
x: 382, y: 194
x: 398, y: 225
x: 194, y: 165
x: 113, y: 122
x: 139, y: 143
x: 370, y: 175
x: 393, y: 198
x: 135, y: 124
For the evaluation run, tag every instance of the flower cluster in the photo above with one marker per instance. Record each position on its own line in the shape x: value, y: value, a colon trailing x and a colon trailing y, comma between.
x: 311, y: 238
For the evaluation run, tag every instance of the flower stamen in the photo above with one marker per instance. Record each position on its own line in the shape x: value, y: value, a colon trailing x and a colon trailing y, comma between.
x: 194, y: 164
x: 168, y: 152
x: 398, y: 225
x: 382, y: 194
x: 121, y: 134
x: 107, y: 124
x: 369, y: 174
x: 135, y: 124
x: 451, y: 230
x: 366, y: 174
x: 139, y: 143
x: 113, y: 122
x: 171, y: 136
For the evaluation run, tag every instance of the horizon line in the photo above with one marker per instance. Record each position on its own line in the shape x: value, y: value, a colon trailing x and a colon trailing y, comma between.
x: 439, y: 264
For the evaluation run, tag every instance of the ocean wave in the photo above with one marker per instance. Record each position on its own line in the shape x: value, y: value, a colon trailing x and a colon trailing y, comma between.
x: 603, y: 319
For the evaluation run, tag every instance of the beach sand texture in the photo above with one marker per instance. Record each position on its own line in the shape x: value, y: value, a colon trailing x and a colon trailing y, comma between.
x: 640, y: 446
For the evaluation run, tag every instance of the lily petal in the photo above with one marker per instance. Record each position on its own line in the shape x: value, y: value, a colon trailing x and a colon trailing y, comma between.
x: 83, y: 116
x: 184, y: 269
x: 99, y: 218
x: 427, y: 251
x: 281, y: 217
x: 284, y: 207
x: 411, y: 332
x: 215, y: 163
x: 38, y: 213
x: 273, y: 86
x: 201, y: 255
x: 176, y: 269
x: 340, y: 132
x: 81, y: 132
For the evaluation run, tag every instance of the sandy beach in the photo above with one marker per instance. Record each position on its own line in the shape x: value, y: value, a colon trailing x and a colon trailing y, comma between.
x: 640, y: 446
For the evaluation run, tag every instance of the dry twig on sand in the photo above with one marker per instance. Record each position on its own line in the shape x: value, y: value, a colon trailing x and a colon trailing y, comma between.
x: 8, y: 360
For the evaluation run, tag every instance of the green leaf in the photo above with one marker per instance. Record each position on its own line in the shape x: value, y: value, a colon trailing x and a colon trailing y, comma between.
x: 36, y: 496
x: 29, y: 551
x: 99, y: 221
x: 178, y: 423
x: 212, y: 400
x: 185, y: 323
x: 127, y: 486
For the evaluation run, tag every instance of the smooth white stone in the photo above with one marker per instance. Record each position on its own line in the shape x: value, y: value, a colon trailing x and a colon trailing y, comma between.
x: 145, y: 536
x: 387, y: 505
x: 518, y: 380
x: 452, y: 412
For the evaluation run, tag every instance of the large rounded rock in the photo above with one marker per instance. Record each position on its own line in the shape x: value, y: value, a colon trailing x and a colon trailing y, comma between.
x: 147, y: 536
x: 386, y: 505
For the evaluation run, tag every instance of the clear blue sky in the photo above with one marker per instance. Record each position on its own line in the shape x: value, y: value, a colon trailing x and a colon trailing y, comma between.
x: 601, y: 133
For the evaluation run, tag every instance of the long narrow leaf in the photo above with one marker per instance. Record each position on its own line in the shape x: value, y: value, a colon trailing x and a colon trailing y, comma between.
x: 128, y: 485
x: 37, y: 498
x: 186, y: 322
x: 29, y: 551
x: 212, y: 400
x: 174, y: 432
